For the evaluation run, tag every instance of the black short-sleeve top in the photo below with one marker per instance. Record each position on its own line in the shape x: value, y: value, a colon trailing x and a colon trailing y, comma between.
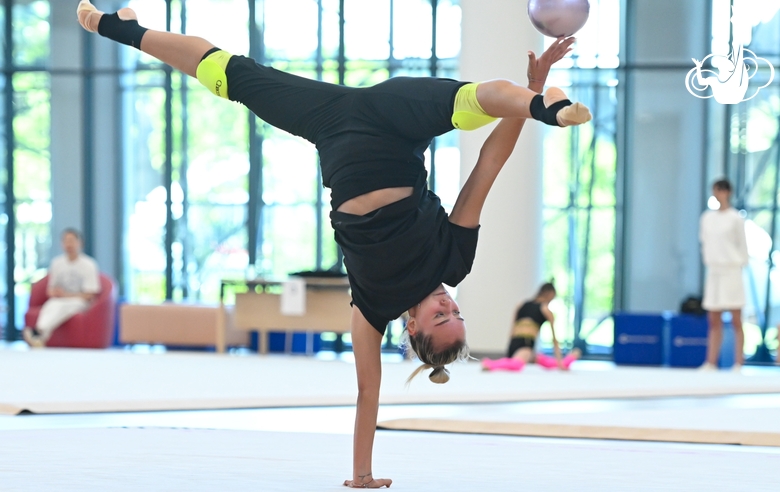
x: 400, y: 253
x: 532, y: 310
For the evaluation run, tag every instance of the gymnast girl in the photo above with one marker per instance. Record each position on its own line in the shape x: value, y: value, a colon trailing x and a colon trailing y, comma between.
x: 399, y: 244
x: 529, y: 319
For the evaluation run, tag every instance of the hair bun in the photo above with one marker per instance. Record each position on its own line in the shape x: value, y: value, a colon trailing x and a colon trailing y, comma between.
x: 439, y: 375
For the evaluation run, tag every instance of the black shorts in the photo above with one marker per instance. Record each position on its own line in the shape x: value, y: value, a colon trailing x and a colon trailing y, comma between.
x: 520, y: 342
x: 368, y: 138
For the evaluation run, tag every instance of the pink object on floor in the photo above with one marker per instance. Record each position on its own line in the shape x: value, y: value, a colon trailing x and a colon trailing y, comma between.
x: 550, y: 363
x: 505, y: 364
x: 546, y: 361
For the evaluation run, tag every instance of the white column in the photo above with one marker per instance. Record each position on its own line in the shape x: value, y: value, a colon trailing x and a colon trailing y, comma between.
x: 665, y: 158
x: 66, y: 122
x: 67, y: 136
x: 496, y: 37
x: 107, y: 215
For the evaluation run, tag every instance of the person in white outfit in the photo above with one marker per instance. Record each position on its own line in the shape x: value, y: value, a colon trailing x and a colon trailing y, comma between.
x: 724, y: 252
x: 73, y: 284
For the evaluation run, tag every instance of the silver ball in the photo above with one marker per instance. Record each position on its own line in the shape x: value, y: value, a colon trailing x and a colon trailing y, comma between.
x: 556, y: 18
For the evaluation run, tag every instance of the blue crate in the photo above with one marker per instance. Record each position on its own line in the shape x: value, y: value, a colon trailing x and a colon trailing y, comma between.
x: 687, y: 340
x: 638, y: 339
x: 277, y: 341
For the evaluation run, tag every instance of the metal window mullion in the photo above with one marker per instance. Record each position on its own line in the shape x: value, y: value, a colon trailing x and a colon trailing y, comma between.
x: 434, y: 62
x: 342, y: 62
x: 255, y: 205
x: 318, y: 206
x: 574, y: 222
x: 168, y: 168
x: 342, y: 56
x: 10, y: 228
x: 184, y: 229
x: 579, y: 314
x: 625, y: 92
x: 121, y: 226
x: 88, y: 197
x: 391, y: 61
x: 432, y: 68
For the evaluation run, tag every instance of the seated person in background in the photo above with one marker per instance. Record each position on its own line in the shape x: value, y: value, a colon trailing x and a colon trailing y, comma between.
x: 73, y: 283
x: 528, y: 322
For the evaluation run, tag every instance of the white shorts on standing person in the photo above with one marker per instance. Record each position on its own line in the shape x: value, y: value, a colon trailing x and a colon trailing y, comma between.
x: 73, y: 283
x: 724, y: 252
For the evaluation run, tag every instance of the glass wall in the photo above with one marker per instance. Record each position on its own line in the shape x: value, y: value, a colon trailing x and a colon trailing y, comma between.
x: 26, y: 117
x: 212, y: 192
x: 579, y: 186
x: 208, y: 191
x: 749, y: 155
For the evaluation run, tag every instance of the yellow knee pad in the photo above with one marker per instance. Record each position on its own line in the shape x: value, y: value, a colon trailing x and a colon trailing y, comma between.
x: 211, y: 73
x: 468, y: 113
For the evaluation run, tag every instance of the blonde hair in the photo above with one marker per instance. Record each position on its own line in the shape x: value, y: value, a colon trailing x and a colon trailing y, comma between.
x: 422, y: 347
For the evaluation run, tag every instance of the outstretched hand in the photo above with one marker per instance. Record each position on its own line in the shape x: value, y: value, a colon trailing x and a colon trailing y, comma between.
x: 538, y: 68
x: 373, y: 484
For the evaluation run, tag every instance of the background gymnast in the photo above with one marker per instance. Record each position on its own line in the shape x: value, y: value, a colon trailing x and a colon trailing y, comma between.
x: 399, y: 244
x: 529, y: 318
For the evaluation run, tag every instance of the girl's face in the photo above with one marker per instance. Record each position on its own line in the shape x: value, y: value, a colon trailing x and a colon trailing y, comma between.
x: 547, y: 297
x: 723, y: 196
x: 438, y: 315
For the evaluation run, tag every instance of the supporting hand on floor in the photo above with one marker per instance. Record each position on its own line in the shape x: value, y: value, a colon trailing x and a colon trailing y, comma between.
x: 373, y: 484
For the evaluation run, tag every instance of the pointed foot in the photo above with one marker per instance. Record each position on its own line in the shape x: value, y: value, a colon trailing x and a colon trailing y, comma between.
x: 575, y: 114
x: 89, y: 16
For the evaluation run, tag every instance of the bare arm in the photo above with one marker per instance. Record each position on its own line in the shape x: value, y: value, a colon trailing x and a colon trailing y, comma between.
x: 58, y: 292
x: 556, y: 347
x: 367, y: 346
x: 501, y: 142
x: 87, y: 296
x: 62, y: 293
x: 494, y: 154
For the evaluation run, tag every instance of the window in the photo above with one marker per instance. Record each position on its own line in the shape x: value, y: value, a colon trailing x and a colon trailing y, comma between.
x: 213, y: 192
x: 26, y: 194
x: 579, y: 186
x: 749, y: 156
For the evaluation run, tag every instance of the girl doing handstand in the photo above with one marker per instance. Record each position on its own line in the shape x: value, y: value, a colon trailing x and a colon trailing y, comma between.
x: 399, y: 244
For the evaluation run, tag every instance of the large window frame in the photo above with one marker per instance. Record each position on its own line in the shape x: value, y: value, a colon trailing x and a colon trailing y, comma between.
x: 26, y: 119
x: 581, y: 189
x: 747, y: 152
x: 174, y: 107
x: 331, y: 63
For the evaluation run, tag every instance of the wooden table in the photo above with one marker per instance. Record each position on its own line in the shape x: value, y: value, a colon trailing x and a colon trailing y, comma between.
x: 327, y: 308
